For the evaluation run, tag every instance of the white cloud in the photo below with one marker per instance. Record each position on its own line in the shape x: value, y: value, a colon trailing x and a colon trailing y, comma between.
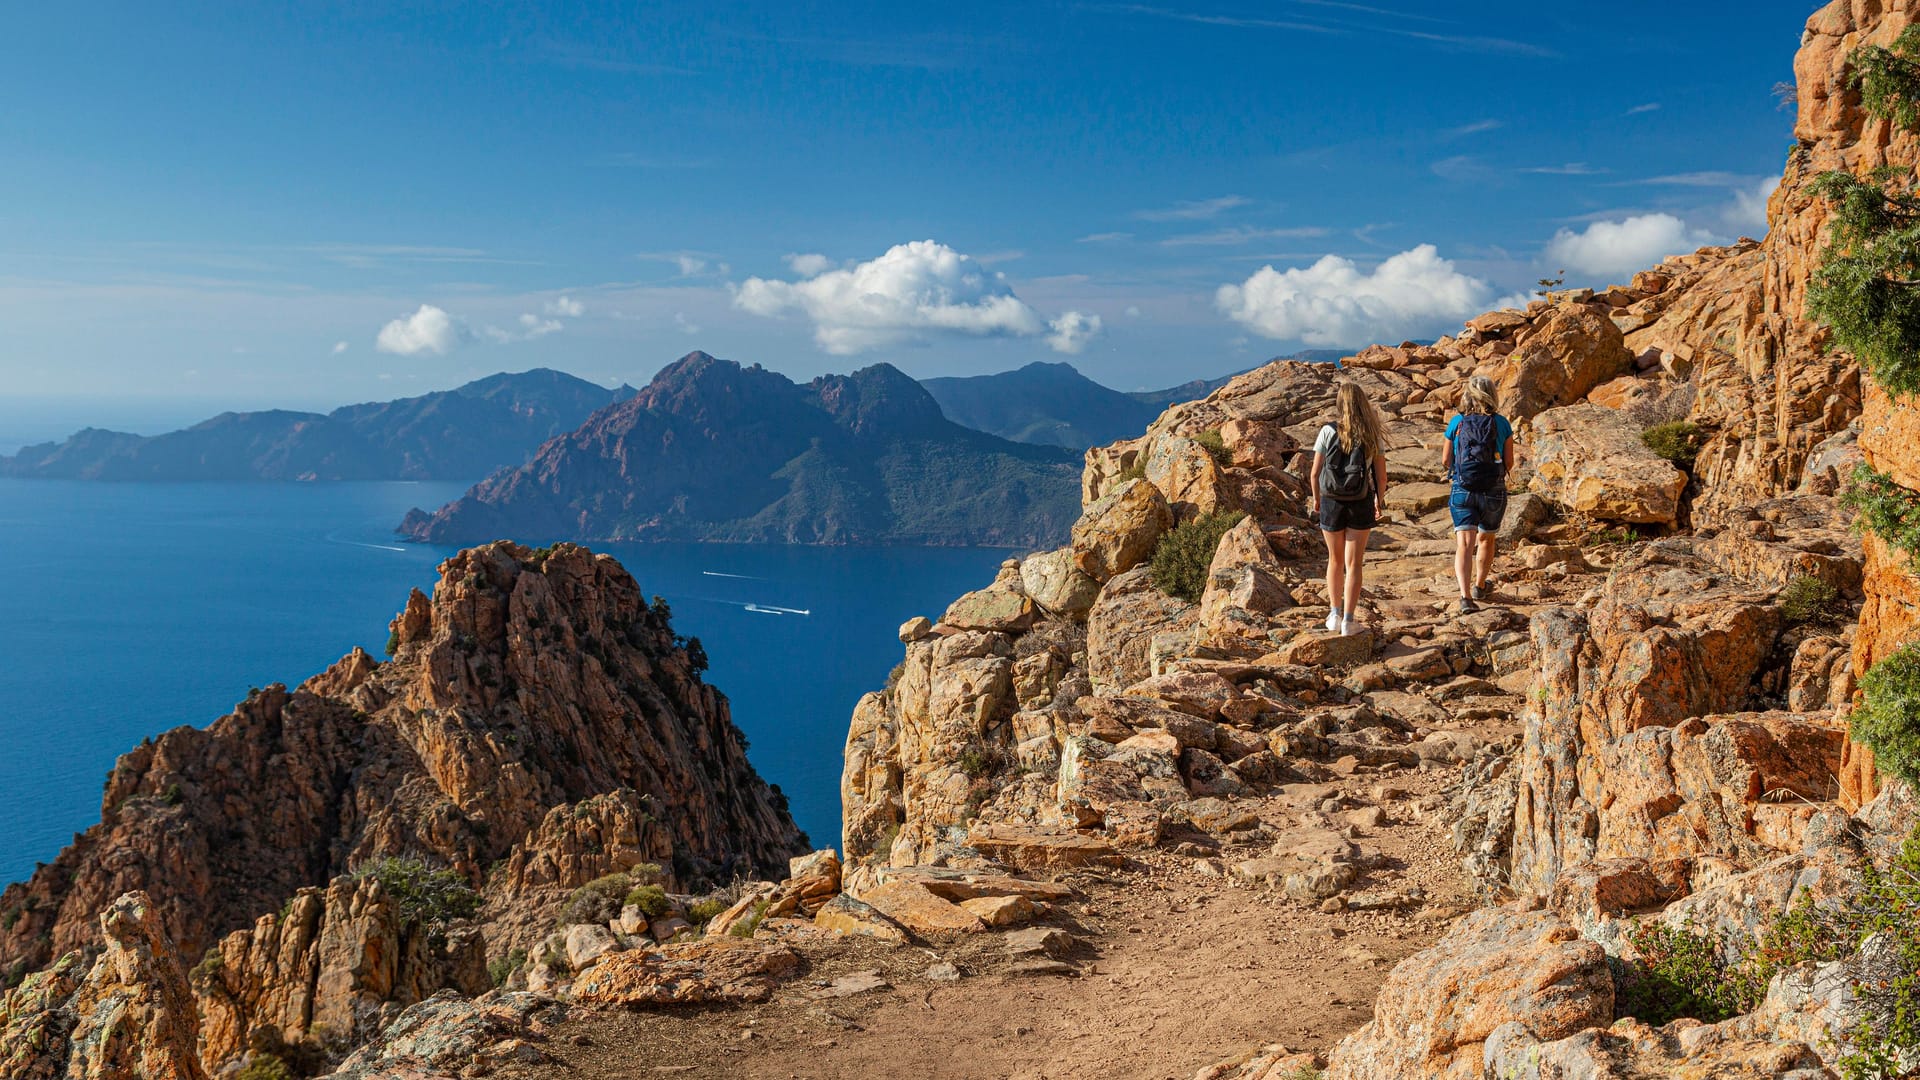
x: 339, y: 347
x: 686, y: 325
x: 1476, y: 128
x: 690, y: 265
x: 1749, y: 210
x: 428, y: 330
x: 533, y: 326
x: 565, y: 305
x: 1199, y: 210
x: 1651, y: 106
x: 1072, y: 331
x: 1571, y: 168
x: 910, y: 293
x: 1334, y: 303
x: 1616, y: 249
x: 1104, y: 237
x: 807, y: 265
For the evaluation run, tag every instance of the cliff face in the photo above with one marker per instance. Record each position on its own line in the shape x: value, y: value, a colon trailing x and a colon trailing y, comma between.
x: 532, y: 684
x: 710, y: 450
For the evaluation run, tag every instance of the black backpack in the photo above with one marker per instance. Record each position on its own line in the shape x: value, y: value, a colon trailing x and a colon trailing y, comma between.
x: 1476, y: 452
x: 1347, y: 475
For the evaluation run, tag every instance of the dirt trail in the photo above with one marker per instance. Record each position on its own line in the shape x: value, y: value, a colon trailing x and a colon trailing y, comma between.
x: 1177, y: 966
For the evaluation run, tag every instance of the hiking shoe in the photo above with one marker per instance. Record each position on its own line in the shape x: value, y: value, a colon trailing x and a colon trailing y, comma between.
x: 1481, y: 591
x: 1467, y: 606
x: 1333, y: 621
x: 1349, y: 626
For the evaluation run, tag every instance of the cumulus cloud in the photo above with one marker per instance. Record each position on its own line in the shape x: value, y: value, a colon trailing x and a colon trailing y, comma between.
x: 1616, y: 249
x: 1072, y: 331
x: 429, y: 330
x: 565, y: 305
x: 1335, y: 303
x: 1749, y: 210
x: 912, y: 292
x: 807, y: 265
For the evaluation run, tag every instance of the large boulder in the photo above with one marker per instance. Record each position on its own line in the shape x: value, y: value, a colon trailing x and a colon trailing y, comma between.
x: 1189, y: 475
x: 1130, y: 614
x: 1052, y: 580
x: 1118, y: 531
x: 1497, y: 966
x: 1590, y: 460
x: 1560, y: 359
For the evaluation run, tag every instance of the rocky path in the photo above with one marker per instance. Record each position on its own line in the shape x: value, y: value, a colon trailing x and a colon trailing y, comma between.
x: 1171, y: 967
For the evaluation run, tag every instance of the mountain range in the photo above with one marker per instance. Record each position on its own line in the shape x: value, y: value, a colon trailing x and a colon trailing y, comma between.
x: 712, y: 450
x: 453, y: 434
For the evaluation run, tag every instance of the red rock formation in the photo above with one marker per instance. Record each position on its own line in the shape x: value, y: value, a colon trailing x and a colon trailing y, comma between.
x: 531, y: 682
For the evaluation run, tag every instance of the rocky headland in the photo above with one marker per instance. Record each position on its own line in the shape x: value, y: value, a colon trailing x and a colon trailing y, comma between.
x: 711, y: 450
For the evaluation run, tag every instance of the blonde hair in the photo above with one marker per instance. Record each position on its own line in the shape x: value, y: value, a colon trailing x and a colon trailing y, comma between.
x: 1355, y: 420
x: 1480, y: 396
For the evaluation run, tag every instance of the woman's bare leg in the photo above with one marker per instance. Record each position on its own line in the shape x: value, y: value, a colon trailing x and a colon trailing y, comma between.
x: 1489, y: 542
x: 1336, y: 568
x: 1356, y: 554
x: 1463, y: 560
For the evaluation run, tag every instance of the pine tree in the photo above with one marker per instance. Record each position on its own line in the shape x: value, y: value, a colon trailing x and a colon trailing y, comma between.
x: 1867, y: 290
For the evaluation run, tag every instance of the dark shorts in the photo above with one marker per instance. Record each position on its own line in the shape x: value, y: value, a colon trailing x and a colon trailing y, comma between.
x: 1477, y: 512
x: 1339, y: 515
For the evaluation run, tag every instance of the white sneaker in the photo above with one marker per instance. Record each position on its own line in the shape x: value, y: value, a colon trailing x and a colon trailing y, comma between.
x: 1350, y: 626
x: 1333, y: 621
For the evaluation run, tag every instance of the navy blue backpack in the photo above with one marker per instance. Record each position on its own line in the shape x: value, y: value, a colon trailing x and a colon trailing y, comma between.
x: 1476, y: 454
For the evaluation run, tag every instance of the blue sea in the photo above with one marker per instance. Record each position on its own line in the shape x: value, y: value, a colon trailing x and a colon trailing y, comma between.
x: 129, y: 609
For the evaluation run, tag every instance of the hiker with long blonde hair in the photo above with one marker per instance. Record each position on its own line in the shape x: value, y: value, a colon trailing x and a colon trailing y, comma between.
x: 1479, y: 453
x: 1349, y: 480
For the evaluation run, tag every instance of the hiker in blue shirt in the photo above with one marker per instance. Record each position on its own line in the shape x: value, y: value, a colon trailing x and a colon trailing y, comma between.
x: 1479, y: 454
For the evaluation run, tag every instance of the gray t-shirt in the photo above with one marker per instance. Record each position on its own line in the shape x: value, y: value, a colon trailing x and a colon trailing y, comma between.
x: 1328, y: 438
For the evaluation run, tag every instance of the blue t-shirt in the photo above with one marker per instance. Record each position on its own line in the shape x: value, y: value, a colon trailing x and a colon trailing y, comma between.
x: 1502, y: 432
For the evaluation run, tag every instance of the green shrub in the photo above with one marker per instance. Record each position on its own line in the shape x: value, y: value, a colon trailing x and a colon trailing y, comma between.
x: 1216, y: 447
x: 502, y: 969
x: 1681, y: 973
x: 745, y: 927
x: 1618, y: 536
x: 1135, y: 471
x: 701, y: 912
x: 598, y: 901
x: 1807, y: 599
x: 978, y: 760
x: 393, y: 641
x: 651, y: 900
x: 1181, y: 560
x: 1886, y: 509
x: 265, y: 1067
x: 173, y: 796
x: 1888, y: 717
x: 1678, y: 442
x: 208, y: 967
x: 432, y: 898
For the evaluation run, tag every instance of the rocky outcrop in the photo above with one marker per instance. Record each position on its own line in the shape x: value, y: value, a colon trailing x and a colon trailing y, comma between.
x: 539, y: 720
x: 1496, y: 967
x: 1590, y: 460
x: 334, y: 966
x: 129, y: 1014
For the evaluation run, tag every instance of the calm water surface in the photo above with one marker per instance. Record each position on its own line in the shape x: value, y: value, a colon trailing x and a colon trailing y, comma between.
x: 129, y: 609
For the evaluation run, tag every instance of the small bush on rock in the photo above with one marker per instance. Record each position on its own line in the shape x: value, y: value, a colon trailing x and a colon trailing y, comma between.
x: 1888, y: 718
x: 1678, y: 442
x: 1215, y: 446
x: 1135, y: 471
x: 1681, y: 974
x: 502, y: 969
x: 1807, y: 599
x: 1885, y: 509
x: 265, y: 1067
x: 432, y: 898
x: 651, y: 900
x: 1180, y: 561
x: 701, y: 912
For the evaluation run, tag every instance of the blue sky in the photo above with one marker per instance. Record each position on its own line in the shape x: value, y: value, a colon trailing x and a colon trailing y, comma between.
x: 244, y: 205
